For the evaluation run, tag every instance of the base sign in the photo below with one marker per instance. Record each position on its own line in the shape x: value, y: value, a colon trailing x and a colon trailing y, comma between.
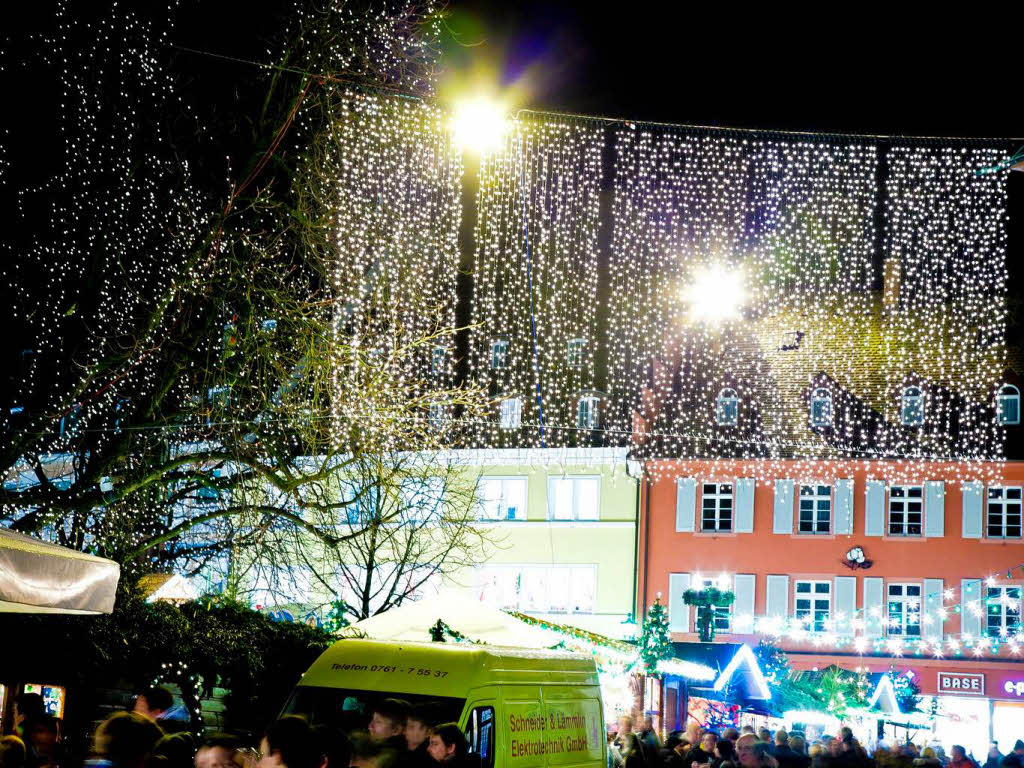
x: 961, y: 683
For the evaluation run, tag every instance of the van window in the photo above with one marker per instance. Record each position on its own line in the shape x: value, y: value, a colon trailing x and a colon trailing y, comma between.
x: 480, y: 730
x: 350, y: 709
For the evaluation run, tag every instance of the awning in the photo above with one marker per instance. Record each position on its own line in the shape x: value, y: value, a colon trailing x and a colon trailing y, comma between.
x: 36, y: 577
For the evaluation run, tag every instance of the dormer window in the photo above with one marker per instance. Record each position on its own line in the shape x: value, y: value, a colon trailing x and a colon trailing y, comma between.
x: 499, y: 354
x: 821, y: 408
x: 588, y: 412
x: 436, y: 415
x: 510, y: 413
x: 727, y: 408
x: 1008, y: 405
x: 575, y: 352
x: 791, y: 340
x: 912, y: 407
x: 438, y: 359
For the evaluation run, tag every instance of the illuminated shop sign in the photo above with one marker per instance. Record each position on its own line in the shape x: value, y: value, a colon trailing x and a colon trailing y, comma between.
x: 1014, y: 688
x: 962, y: 683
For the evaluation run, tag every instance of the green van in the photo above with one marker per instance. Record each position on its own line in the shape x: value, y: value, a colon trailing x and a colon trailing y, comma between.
x: 519, y: 708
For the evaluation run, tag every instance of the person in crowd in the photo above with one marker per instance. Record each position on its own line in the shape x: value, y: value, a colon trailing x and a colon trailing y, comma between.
x: 387, y: 725
x: 958, y: 758
x: 28, y: 707
x: 747, y: 729
x: 671, y: 755
x: 650, y: 744
x: 218, y: 751
x: 621, y: 740
x: 421, y: 719
x: 368, y: 753
x: 333, y: 746
x: 763, y: 734
x: 725, y: 755
x: 928, y: 759
x: 157, y: 703
x: 693, y: 734
x: 42, y: 741
x: 448, y: 746
x: 994, y: 758
x: 799, y: 747
x: 125, y: 740
x: 818, y: 755
x: 753, y: 753
x: 1016, y: 758
x: 175, y: 750
x: 731, y: 734
x: 12, y: 752
x: 289, y: 743
x: 704, y: 752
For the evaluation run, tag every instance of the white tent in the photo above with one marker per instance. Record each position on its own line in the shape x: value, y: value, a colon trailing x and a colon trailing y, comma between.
x: 37, y: 577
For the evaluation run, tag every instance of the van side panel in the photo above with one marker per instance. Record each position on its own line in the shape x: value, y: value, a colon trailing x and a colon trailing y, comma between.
x: 575, y: 725
x: 522, y: 728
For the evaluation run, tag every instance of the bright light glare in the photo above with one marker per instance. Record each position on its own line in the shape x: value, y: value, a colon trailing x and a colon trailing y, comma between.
x: 479, y: 125
x: 716, y: 294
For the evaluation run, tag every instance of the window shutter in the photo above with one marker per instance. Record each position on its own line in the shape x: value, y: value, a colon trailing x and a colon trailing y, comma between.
x: 743, y: 606
x: 745, y: 505
x: 843, y: 512
x: 783, y: 517
x: 931, y: 605
x: 844, y: 604
x: 934, y: 509
x: 777, y: 595
x: 678, y: 611
x: 970, y: 593
x: 686, y: 504
x: 874, y: 508
x: 972, y: 510
x: 874, y: 606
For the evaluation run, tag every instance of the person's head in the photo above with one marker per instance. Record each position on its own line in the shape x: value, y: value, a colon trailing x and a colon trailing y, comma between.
x: 289, y: 743
x: 127, y: 739
x: 928, y: 753
x: 366, y: 753
x: 845, y: 733
x: 745, y: 750
x: 12, y: 752
x: 747, y: 729
x: 834, y: 746
x: 389, y: 717
x: 625, y: 725
x: 41, y: 734
x: 673, y: 740
x: 175, y: 750
x: 333, y: 747
x: 763, y: 755
x: 798, y: 744
x: 816, y: 751
x: 958, y: 752
x: 1018, y: 747
x: 731, y: 734
x: 217, y: 751
x: 708, y: 740
x: 418, y: 724
x: 648, y: 724
x: 781, y: 738
x: 763, y: 734
x: 447, y: 743
x: 153, y: 702
x: 725, y: 750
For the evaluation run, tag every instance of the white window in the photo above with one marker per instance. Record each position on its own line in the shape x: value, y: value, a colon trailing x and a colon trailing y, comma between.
x: 813, y: 604
x: 821, y: 408
x: 499, y: 354
x: 723, y: 615
x: 576, y: 352
x: 588, y: 412
x: 421, y: 499
x: 510, y: 414
x: 503, y: 498
x: 716, y: 507
x: 727, y: 408
x: 903, y: 609
x: 574, y: 498
x: 906, y: 510
x: 435, y: 415
x: 912, y: 407
x: 538, y: 588
x: 1008, y: 405
x: 438, y: 360
x: 1004, y: 518
x: 1002, y: 611
x: 815, y: 512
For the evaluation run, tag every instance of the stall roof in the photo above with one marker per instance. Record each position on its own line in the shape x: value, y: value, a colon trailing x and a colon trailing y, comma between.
x: 735, y: 664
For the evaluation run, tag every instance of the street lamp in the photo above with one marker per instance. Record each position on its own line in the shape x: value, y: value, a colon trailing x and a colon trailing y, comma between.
x: 479, y: 125
x: 716, y: 294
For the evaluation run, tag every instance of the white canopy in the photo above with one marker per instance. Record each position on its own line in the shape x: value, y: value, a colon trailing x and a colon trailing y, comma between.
x: 37, y: 577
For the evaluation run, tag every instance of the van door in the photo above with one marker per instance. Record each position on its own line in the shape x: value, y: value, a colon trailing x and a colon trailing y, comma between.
x: 575, y: 726
x: 481, y: 732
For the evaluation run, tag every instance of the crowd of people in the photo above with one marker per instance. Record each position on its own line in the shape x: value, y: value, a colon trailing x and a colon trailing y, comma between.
x: 696, y: 747
x: 154, y: 735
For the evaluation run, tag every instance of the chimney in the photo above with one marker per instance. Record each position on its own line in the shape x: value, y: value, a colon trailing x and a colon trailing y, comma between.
x: 891, y: 271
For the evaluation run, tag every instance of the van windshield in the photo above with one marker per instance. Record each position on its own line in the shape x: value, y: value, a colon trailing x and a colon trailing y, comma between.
x: 350, y: 709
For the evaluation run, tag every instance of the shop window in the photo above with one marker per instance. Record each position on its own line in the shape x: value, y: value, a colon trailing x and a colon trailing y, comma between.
x: 574, y: 498
x: 1002, y: 611
x: 906, y: 510
x: 727, y: 408
x: 575, y: 352
x: 821, y: 408
x: 815, y: 512
x: 1004, y: 513
x: 503, y: 498
x: 912, y: 407
x: 499, y: 354
x: 903, y: 608
x: 481, y: 734
x: 1008, y: 405
x: 723, y: 615
x: 510, y: 413
x: 813, y: 604
x: 716, y: 507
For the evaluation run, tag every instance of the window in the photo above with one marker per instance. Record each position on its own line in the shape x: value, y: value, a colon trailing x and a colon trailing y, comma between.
x: 574, y: 498
x: 510, y: 413
x: 716, y: 507
x: 1004, y: 521
x: 906, y: 510
x: 503, y: 498
x: 588, y: 412
x: 499, y: 354
x: 576, y: 352
x: 421, y: 498
x: 903, y: 608
x: 727, y: 408
x: 435, y: 415
x: 438, y: 360
x: 362, y: 504
x: 1002, y: 611
x: 821, y: 408
x: 538, y: 588
x: 814, y: 604
x: 480, y: 734
x: 912, y: 407
x: 815, y: 509
x: 723, y: 615
x: 1008, y: 405
x: 791, y: 340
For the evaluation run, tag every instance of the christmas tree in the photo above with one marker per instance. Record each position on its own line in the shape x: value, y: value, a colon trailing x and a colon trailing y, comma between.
x: 654, y: 641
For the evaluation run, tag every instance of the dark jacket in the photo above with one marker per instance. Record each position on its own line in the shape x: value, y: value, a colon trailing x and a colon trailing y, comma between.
x: 697, y: 755
x: 1013, y: 760
x: 789, y: 758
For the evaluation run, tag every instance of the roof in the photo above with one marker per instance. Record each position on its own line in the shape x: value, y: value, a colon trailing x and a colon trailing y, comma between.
x: 169, y: 587
x: 451, y: 669
x: 736, y: 665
